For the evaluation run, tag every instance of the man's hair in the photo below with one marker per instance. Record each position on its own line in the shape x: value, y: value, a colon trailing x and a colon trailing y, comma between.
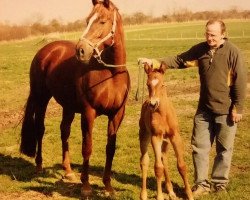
x: 222, y: 24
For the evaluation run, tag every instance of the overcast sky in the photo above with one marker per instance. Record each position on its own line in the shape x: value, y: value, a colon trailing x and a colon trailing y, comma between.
x: 28, y: 11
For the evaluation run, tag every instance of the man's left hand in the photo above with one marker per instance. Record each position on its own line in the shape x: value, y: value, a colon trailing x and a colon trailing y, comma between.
x: 236, y: 117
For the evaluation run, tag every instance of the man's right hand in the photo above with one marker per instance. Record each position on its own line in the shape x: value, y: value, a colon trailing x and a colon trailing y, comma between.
x: 144, y: 61
x: 150, y: 62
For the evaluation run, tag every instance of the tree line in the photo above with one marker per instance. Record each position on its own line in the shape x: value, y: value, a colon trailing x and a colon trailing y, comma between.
x: 10, y: 32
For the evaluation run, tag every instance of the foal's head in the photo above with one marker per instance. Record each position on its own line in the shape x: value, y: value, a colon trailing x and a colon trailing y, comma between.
x: 155, y: 83
x: 100, y: 32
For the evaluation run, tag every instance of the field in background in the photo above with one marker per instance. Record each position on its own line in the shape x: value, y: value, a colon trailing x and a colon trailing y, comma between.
x: 17, y: 180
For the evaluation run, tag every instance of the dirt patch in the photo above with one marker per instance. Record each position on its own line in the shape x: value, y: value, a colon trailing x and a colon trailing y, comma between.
x: 30, y: 195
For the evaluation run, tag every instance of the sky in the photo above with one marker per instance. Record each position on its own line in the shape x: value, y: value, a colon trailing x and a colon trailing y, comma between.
x: 29, y: 11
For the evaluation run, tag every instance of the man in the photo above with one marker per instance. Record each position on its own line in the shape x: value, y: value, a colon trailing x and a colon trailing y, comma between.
x: 223, y: 80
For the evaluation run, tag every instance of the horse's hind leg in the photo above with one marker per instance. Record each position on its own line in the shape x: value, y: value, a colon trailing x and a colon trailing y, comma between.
x: 144, y: 138
x: 168, y: 183
x: 40, y: 110
x: 67, y: 119
x: 179, y: 152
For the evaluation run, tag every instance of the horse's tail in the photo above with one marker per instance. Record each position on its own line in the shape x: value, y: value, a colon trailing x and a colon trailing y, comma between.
x: 28, y: 134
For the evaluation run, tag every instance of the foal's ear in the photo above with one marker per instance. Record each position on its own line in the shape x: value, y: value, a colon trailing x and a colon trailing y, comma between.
x: 148, y: 68
x: 163, y: 68
x: 105, y: 2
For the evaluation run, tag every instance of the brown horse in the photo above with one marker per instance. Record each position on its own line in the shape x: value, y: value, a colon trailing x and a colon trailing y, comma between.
x: 158, y: 122
x: 89, y: 78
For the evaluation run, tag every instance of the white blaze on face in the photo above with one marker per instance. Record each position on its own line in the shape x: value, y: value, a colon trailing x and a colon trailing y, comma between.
x: 92, y: 19
x: 154, y: 82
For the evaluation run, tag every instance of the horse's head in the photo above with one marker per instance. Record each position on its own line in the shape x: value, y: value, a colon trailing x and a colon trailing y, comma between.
x: 155, y: 84
x: 100, y: 31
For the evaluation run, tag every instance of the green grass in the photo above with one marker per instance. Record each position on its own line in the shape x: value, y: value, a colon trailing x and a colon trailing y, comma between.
x: 17, y: 172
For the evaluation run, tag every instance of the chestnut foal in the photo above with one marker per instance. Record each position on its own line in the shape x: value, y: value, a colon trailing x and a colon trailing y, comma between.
x: 158, y: 122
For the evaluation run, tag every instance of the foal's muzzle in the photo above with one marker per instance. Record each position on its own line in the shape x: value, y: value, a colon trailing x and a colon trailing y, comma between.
x: 154, y: 103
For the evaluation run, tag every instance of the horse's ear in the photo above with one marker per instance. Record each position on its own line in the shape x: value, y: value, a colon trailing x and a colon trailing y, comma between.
x: 163, y: 67
x: 106, y: 3
x: 94, y: 2
x: 148, y: 68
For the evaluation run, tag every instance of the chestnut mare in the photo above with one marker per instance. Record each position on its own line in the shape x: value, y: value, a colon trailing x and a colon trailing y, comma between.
x: 89, y: 78
x: 158, y: 122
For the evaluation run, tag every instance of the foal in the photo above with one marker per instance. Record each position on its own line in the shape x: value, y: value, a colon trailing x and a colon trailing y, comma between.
x: 158, y: 122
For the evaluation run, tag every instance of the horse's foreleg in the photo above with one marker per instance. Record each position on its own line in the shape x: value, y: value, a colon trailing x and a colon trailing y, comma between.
x: 168, y: 183
x: 158, y: 167
x: 113, y: 125
x: 67, y: 119
x: 144, y: 138
x: 181, y: 165
x: 87, y: 121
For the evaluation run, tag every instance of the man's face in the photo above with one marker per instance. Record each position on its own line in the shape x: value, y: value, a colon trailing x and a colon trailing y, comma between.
x: 214, y: 35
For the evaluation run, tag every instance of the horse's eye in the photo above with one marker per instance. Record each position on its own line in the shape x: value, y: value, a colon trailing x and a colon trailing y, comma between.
x: 102, y: 22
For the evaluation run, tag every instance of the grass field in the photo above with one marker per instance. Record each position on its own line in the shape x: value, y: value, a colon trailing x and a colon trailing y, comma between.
x: 17, y: 179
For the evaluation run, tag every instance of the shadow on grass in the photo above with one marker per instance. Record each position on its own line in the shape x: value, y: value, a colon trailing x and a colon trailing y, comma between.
x: 21, y: 170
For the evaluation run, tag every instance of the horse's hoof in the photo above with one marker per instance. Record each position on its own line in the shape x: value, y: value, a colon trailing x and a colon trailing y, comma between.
x: 70, y: 177
x: 109, y: 191
x: 86, y: 191
x: 39, y: 169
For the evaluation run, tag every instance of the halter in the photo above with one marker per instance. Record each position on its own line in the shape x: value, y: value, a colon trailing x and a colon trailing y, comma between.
x: 96, y: 45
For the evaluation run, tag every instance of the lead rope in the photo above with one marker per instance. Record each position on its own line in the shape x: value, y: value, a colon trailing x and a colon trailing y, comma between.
x: 137, y: 94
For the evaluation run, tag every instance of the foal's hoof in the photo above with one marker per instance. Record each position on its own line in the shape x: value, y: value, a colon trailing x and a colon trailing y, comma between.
x: 172, y: 196
x: 143, y: 195
x: 70, y: 177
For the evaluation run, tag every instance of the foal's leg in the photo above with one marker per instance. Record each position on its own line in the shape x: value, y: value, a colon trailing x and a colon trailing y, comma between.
x: 113, y: 125
x: 179, y: 151
x: 87, y: 122
x: 158, y: 167
x: 144, y: 138
x: 168, y: 184
x: 67, y: 119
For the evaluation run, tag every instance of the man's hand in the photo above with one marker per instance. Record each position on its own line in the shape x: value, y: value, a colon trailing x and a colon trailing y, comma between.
x: 150, y: 62
x: 235, y: 117
x: 144, y: 61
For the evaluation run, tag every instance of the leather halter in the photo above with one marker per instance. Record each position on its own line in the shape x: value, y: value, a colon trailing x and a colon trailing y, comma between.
x: 95, y: 46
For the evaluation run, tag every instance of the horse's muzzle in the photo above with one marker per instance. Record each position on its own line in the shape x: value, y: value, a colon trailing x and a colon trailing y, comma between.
x: 84, y: 52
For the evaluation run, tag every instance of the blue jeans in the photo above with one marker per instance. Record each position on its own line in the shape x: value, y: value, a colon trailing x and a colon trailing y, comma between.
x: 209, y: 127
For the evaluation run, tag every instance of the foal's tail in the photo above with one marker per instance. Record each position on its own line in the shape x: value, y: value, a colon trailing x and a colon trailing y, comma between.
x: 28, y: 133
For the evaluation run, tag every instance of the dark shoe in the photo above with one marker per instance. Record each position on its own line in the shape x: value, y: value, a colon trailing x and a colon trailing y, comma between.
x: 220, y: 189
x: 200, y: 190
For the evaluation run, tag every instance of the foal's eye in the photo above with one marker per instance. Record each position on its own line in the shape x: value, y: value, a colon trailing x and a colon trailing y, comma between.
x: 102, y: 22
